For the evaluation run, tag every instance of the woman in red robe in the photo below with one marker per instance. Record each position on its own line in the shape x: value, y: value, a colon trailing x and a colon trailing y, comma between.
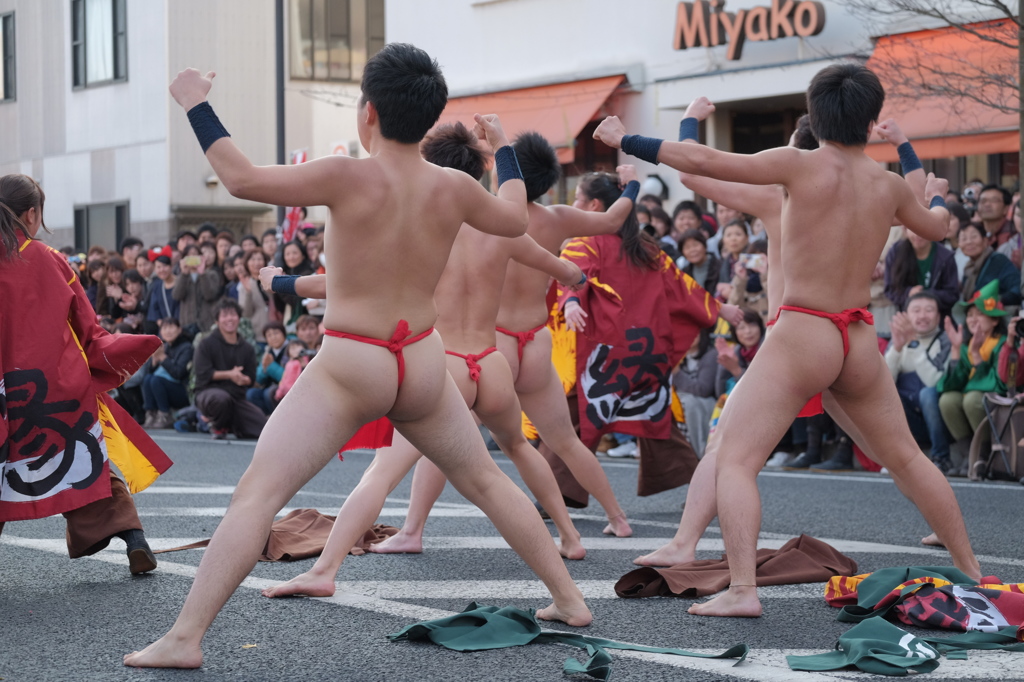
x: 58, y: 428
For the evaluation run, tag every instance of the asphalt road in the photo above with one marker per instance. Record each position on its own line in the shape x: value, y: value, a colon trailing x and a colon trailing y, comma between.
x: 73, y: 620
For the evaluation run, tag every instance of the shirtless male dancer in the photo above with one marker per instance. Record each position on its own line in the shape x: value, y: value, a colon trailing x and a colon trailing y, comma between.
x: 528, y: 352
x: 467, y: 304
x: 765, y: 202
x: 391, y: 203
x: 830, y: 250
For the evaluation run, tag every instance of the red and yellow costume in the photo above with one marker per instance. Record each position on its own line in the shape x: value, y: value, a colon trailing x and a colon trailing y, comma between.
x: 58, y: 428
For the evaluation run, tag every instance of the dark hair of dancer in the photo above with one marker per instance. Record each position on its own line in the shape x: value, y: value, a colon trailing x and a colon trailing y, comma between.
x: 18, y: 193
x: 452, y: 145
x: 803, y: 137
x: 842, y: 101
x: 407, y: 89
x: 637, y: 245
x: 539, y: 163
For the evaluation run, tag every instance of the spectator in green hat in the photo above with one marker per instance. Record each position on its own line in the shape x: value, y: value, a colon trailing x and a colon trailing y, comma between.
x: 972, y: 369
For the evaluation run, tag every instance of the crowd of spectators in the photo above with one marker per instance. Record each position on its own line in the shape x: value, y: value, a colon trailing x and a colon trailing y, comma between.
x: 231, y: 350
x: 946, y: 314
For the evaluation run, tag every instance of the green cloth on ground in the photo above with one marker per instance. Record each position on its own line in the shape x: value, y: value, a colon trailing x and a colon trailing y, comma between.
x: 481, y: 627
x: 874, y: 646
x: 956, y: 647
x: 880, y: 583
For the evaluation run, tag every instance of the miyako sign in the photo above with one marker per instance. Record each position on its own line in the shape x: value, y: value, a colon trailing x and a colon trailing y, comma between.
x: 707, y: 24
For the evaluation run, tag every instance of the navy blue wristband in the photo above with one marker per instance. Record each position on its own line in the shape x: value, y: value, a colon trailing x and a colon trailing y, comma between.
x: 643, y: 148
x: 507, y: 165
x: 632, y: 191
x: 583, y: 280
x: 688, y: 129
x: 206, y: 125
x: 937, y: 201
x: 284, y: 284
x: 573, y: 298
x: 908, y: 158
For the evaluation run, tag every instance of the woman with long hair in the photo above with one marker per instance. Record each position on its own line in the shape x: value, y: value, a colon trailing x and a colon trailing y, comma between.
x: 634, y: 320
x: 295, y: 263
x: 57, y: 366
x: 254, y: 302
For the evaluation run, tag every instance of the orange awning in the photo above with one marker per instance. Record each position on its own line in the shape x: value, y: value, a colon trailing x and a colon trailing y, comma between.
x: 926, y: 75
x: 558, y: 112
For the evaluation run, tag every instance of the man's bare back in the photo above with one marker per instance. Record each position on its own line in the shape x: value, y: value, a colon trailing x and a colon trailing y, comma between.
x: 837, y: 209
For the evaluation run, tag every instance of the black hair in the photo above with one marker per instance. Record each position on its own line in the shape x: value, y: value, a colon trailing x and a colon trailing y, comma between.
x: 704, y: 344
x: 803, y: 136
x: 18, y: 193
x: 539, y: 163
x: 170, y: 320
x: 207, y: 227
x: 640, y: 208
x: 925, y: 294
x: 903, y: 275
x: 250, y: 238
x: 185, y: 233
x: 166, y: 260
x: 224, y: 304
x: 128, y: 242
x: 961, y: 214
x: 638, y: 246
x: 738, y: 222
x: 659, y: 213
x: 842, y: 101
x: 134, y: 276
x: 750, y: 317
x: 274, y: 325
x: 407, y: 89
x: 687, y: 205
x: 1007, y: 197
x: 980, y: 228
x: 696, y: 235
x: 650, y: 197
x: 270, y: 231
x: 303, y: 268
x: 452, y: 145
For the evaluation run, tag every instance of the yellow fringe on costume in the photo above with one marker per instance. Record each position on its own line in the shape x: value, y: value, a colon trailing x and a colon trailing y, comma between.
x: 138, y: 472
x: 563, y: 356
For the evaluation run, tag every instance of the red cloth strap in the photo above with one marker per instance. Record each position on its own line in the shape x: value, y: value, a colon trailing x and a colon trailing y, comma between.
x: 522, y: 338
x: 395, y: 344
x: 842, y: 320
x: 472, y: 361
x: 380, y: 432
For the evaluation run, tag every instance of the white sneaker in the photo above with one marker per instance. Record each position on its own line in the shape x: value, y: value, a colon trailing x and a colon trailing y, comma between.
x: 624, y: 450
x: 779, y: 459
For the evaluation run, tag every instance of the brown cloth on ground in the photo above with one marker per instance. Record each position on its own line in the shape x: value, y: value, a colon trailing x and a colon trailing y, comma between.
x: 801, y: 560
x: 302, y: 534
x: 664, y: 464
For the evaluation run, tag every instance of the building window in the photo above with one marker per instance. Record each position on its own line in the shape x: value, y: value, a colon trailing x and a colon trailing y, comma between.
x: 103, y: 225
x: 99, y: 42
x: 330, y: 40
x: 7, y: 71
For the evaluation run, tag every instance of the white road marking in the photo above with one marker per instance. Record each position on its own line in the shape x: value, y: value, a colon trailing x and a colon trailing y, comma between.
x: 761, y: 664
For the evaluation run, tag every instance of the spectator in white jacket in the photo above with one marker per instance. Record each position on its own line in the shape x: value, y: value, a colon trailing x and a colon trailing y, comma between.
x: 917, y: 356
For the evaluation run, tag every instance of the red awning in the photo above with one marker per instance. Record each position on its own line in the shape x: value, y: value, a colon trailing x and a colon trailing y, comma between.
x: 922, y: 72
x: 558, y: 112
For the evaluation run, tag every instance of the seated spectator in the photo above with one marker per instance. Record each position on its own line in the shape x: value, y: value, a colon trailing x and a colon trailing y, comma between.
x: 733, y: 360
x: 697, y: 262
x: 734, y: 242
x: 165, y: 387
x: 917, y: 357
x: 96, y: 272
x: 133, y: 304
x: 198, y: 288
x: 250, y: 243
x: 1011, y: 347
x: 984, y: 265
x: 162, y: 303
x: 230, y: 273
x: 298, y: 357
x: 748, y: 286
x: 307, y: 330
x: 972, y: 370
x: 694, y: 383
x: 270, y: 369
x: 225, y: 365
x: 252, y: 298
x: 295, y: 263
x: 916, y: 264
